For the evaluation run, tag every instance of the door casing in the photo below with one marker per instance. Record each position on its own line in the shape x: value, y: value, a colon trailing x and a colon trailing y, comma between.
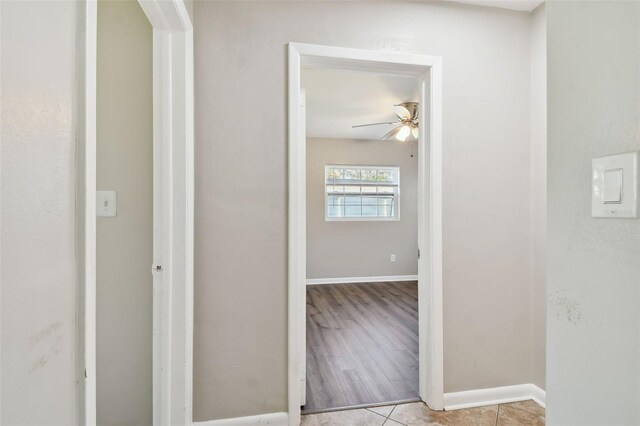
x: 428, y: 69
x: 173, y: 211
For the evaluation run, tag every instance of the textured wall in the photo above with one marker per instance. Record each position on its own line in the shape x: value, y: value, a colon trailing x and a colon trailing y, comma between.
x: 593, y: 353
x: 361, y: 248
x: 241, y: 193
x: 38, y: 213
x: 124, y: 243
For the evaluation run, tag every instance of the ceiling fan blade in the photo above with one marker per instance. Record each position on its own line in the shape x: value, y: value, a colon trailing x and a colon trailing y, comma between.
x: 411, y: 109
x: 374, y: 124
x: 392, y: 133
x: 401, y: 112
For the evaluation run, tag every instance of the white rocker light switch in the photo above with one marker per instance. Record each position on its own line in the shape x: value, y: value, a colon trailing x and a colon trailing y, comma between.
x: 615, y: 186
x: 106, y: 203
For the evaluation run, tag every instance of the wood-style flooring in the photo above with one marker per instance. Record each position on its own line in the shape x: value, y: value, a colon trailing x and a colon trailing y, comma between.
x: 362, y: 344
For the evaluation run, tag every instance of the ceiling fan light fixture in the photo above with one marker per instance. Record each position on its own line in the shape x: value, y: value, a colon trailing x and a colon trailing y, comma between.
x: 407, y: 125
x: 404, y: 133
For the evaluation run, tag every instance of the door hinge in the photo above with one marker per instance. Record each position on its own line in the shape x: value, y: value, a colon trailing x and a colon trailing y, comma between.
x: 418, y: 253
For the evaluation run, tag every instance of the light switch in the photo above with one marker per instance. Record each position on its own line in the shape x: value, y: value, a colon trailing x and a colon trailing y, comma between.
x: 106, y: 203
x: 612, y: 186
x: 615, y: 186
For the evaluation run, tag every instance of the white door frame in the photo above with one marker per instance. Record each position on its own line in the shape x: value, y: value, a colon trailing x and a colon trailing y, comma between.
x: 429, y: 70
x: 173, y: 209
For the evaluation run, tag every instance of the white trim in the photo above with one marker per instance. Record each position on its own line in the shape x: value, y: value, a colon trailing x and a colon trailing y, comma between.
x: 355, y: 280
x: 0, y: 239
x: 297, y: 238
x: 173, y: 211
x: 430, y: 263
x: 302, y: 343
x: 429, y: 70
x: 539, y: 396
x: 361, y: 219
x: 493, y: 396
x: 274, y: 419
x: 86, y: 211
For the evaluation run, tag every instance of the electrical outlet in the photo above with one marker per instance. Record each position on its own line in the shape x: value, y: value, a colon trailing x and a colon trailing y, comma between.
x: 392, y: 259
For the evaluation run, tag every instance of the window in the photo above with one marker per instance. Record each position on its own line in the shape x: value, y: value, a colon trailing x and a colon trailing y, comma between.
x: 362, y: 192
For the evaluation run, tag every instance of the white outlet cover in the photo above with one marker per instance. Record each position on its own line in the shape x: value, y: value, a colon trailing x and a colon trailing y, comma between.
x: 615, y: 186
x: 106, y: 203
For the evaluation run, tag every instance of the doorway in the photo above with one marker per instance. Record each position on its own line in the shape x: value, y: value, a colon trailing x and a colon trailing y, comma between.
x: 429, y: 184
x: 173, y: 205
x: 362, y: 239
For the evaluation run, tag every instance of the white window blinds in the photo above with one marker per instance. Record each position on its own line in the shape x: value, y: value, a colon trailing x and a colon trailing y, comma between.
x: 362, y: 192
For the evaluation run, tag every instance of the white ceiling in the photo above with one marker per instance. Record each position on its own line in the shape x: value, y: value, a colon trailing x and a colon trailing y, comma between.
x: 338, y: 99
x: 522, y: 5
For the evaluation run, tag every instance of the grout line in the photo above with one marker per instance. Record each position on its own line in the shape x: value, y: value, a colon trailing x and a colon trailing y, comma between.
x: 389, y: 416
x: 384, y: 417
x: 392, y: 410
x: 498, y: 413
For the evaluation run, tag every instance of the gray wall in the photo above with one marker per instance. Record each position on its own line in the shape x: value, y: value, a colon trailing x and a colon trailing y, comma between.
x: 241, y: 193
x: 38, y: 213
x: 593, y: 353
x: 538, y: 193
x: 361, y: 248
x: 124, y: 243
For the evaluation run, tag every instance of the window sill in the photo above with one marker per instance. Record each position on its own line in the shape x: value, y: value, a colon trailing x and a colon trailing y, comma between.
x: 362, y: 219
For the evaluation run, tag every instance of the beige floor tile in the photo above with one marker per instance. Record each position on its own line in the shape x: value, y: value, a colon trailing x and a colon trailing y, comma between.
x: 419, y: 414
x: 360, y: 417
x: 383, y: 411
x: 511, y: 416
x: 390, y: 422
x: 529, y: 406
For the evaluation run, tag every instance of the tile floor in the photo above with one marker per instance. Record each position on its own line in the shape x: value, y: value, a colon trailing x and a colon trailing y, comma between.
x: 417, y: 413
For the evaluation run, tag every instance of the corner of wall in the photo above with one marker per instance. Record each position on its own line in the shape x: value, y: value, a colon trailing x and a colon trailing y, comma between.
x: 537, y: 210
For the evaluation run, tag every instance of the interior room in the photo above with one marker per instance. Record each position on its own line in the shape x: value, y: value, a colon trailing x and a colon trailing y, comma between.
x: 186, y: 233
x: 362, y: 239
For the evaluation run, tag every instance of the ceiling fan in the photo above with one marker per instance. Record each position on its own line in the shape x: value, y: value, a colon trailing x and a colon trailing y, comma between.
x: 406, y: 126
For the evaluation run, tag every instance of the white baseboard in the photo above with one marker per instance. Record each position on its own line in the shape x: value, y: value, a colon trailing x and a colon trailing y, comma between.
x: 493, y: 396
x: 354, y: 280
x: 539, y: 396
x: 273, y: 419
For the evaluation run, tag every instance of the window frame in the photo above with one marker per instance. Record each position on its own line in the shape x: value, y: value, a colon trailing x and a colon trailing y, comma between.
x: 396, y: 194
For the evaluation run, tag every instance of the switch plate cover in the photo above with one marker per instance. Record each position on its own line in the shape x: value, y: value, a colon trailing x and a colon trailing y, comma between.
x: 106, y: 203
x: 615, y: 186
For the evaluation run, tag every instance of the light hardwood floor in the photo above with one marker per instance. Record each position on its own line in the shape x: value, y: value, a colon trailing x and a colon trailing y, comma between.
x: 362, y: 344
